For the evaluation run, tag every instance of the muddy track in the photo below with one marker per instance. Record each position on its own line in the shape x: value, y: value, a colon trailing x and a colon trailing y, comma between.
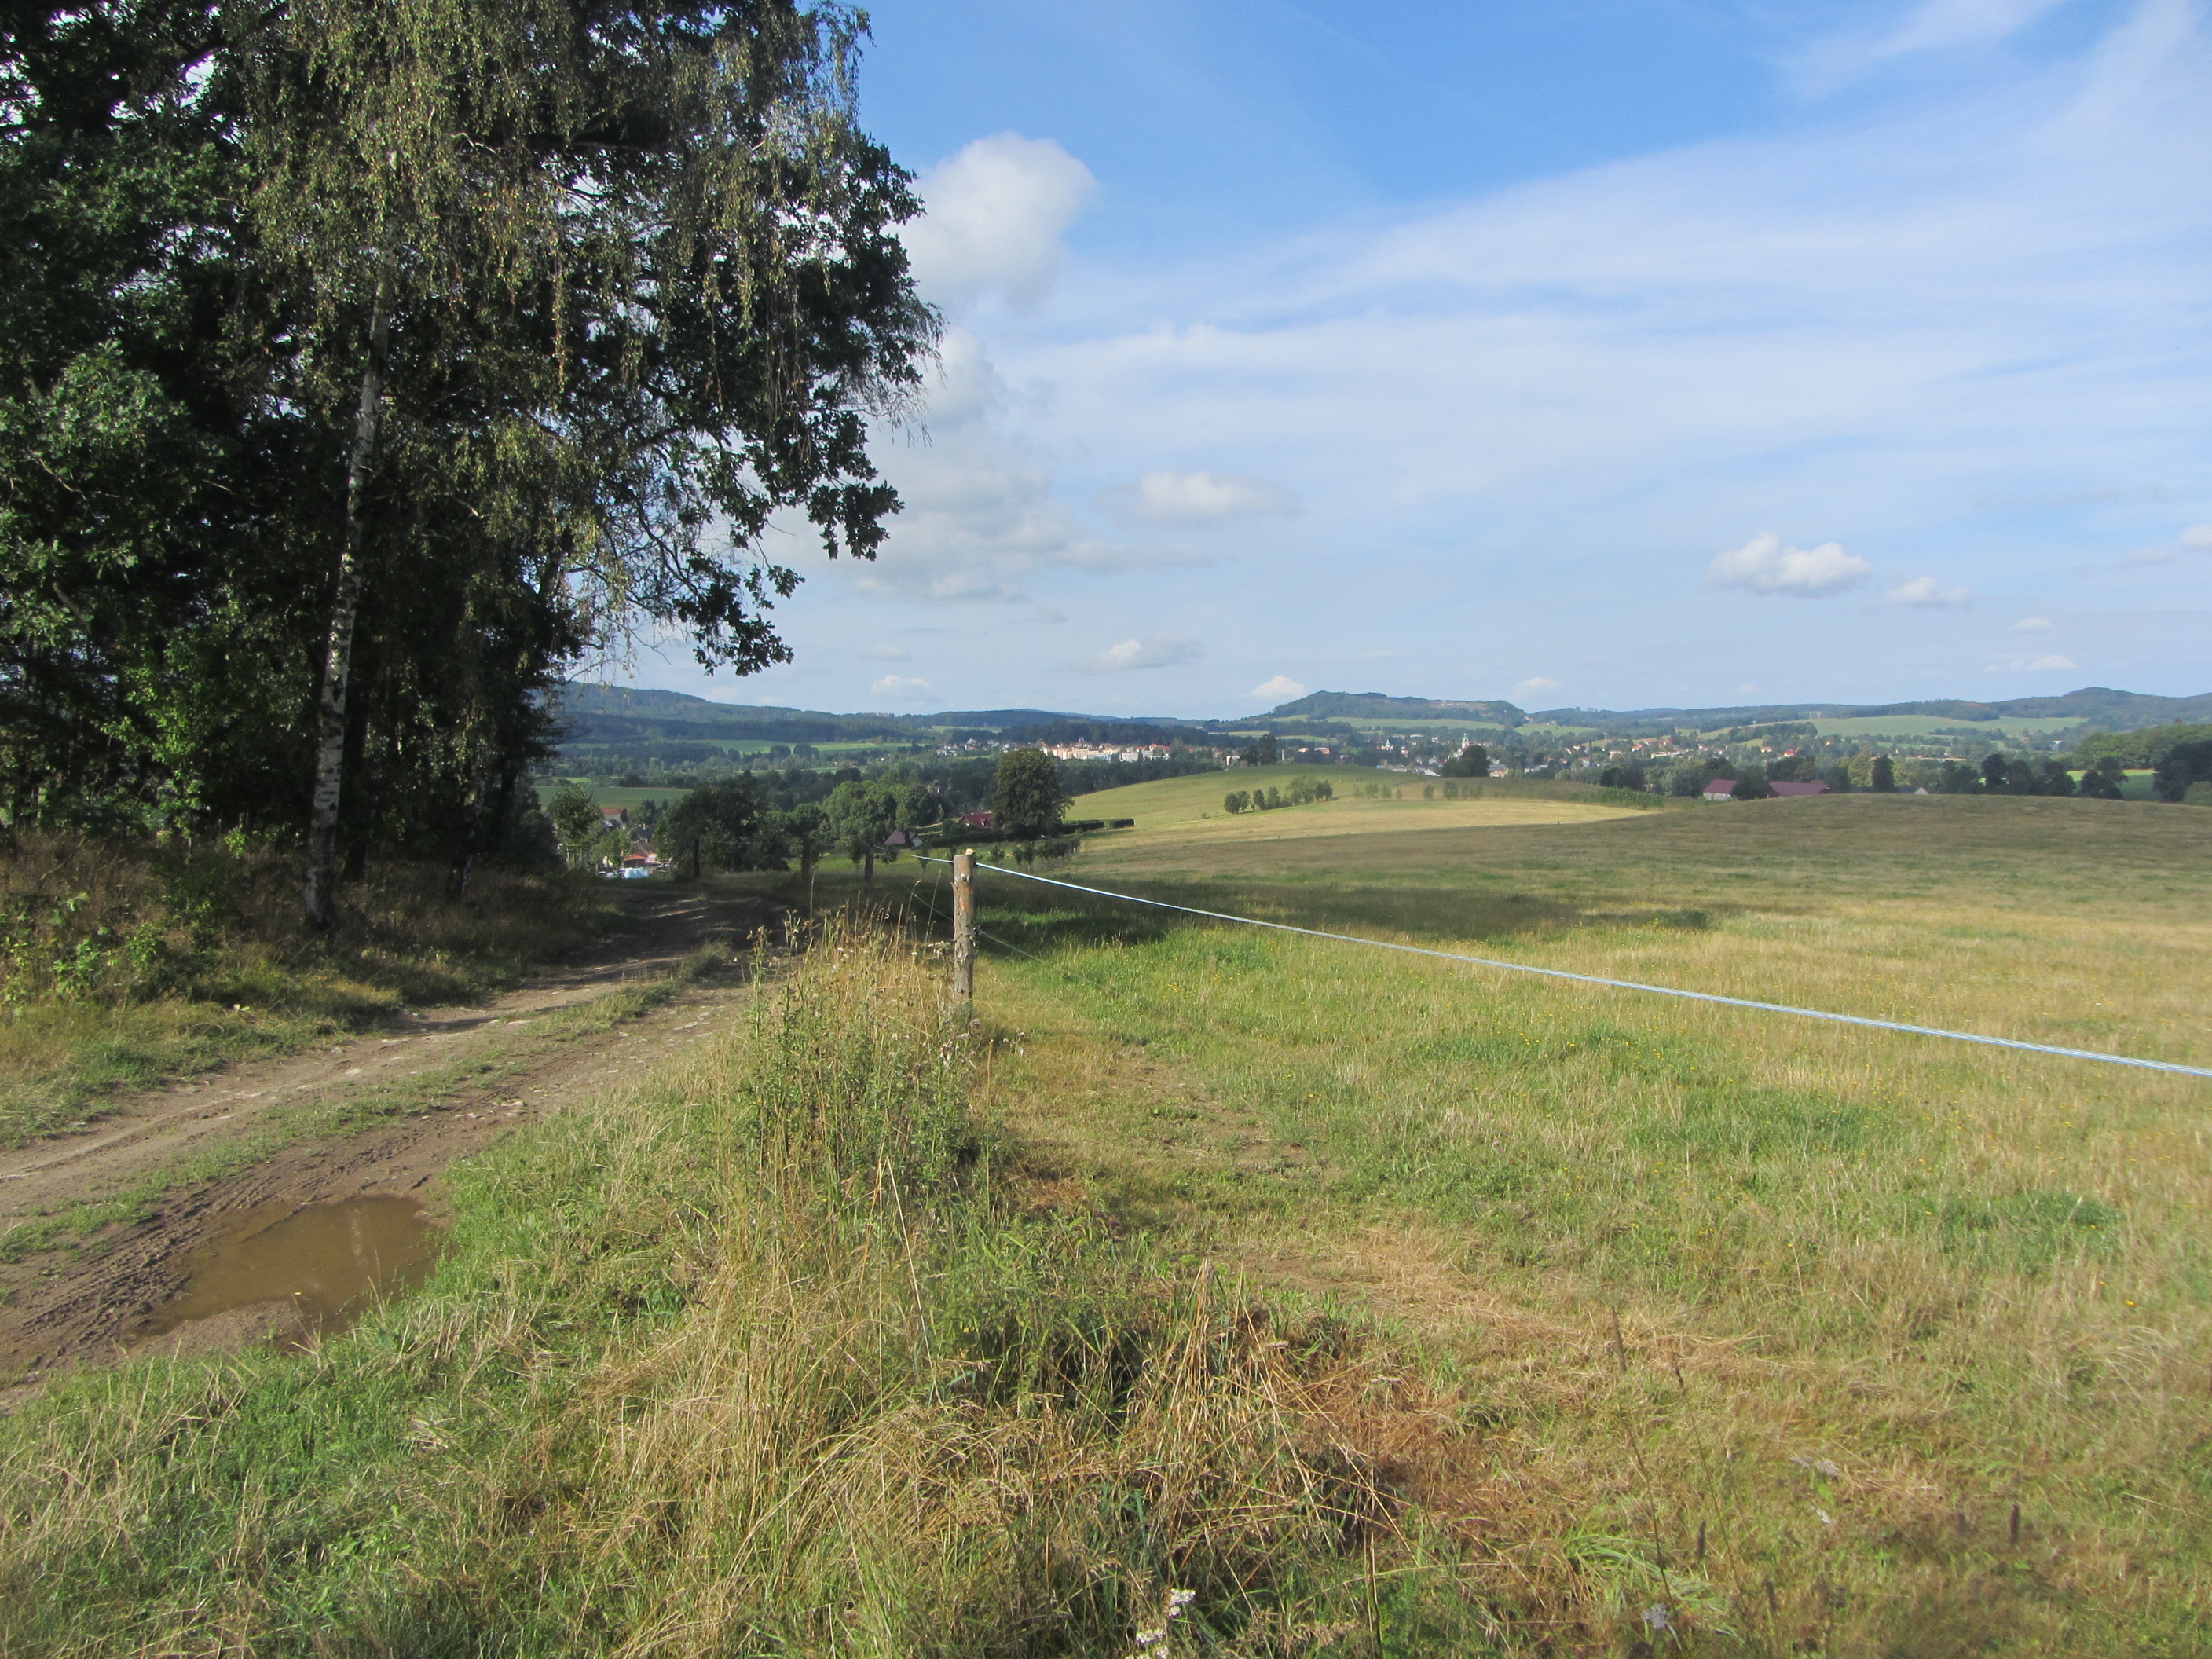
x: 380, y: 1113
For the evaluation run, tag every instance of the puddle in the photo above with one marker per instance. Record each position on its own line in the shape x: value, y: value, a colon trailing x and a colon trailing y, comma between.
x: 329, y: 1261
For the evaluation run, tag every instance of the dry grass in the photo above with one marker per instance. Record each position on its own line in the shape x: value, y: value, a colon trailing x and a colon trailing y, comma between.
x: 764, y: 1357
x: 1873, y: 1291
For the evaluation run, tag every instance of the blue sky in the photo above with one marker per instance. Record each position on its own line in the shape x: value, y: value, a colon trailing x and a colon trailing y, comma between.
x: 1591, y: 352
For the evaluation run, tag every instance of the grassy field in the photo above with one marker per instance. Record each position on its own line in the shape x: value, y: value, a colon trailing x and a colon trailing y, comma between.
x: 1772, y: 1326
x: 1188, y: 812
x: 780, y: 1352
x: 1387, y: 1305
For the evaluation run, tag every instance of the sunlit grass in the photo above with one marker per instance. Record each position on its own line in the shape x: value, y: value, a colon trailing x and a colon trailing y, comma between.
x: 1961, y: 1278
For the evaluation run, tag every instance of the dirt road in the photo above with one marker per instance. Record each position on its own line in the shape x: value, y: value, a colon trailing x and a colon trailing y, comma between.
x: 125, y: 1211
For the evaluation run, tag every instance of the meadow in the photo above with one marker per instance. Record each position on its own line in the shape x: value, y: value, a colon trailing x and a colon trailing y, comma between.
x: 1330, y: 1301
x: 1783, y: 1337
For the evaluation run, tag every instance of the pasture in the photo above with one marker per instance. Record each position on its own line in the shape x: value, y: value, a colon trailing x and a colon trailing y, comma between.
x: 1187, y: 813
x: 1816, y: 1338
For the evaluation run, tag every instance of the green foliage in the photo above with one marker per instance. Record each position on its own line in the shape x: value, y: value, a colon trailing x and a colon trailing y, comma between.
x: 721, y: 826
x: 1882, y: 775
x: 1027, y: 794
x: 1472, y: 761
x: 2139, y: 749
x: 2182, y: 766
x: 858, y: 818
x: 575, y: 814
x: 1262, y: 751
x: 1751, y: 784
x: 643, y: 288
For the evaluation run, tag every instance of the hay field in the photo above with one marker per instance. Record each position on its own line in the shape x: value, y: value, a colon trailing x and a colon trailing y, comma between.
x: 1727, y: 1300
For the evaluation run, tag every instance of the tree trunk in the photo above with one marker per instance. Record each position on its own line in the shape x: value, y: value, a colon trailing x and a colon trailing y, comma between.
x: 502, y: 810
x: 868, y: 876
x: 338, y: 662
x: 465, y: 849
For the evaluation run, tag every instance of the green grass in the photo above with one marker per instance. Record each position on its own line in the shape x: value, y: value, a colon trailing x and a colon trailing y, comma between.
x: 772, y: 1354
x: 185, y: 960
x: 352, y: 1111
x: 1962, y: 1278
x: 629, y: 798
x: 1393, y: 1306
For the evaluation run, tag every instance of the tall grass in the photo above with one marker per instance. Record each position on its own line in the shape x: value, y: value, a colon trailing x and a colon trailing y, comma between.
x: 121, y: 963
x: 772, y: 1354
x: 1796, y: 1306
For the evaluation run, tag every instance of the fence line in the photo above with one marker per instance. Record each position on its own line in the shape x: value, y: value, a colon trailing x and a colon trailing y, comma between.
x: 1614, y: 984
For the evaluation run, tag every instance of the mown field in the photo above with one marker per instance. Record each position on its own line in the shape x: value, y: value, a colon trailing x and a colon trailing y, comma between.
x: 1770, y: 1325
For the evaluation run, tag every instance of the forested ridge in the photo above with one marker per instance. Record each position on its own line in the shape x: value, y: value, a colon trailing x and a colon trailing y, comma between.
x: 368, y: 364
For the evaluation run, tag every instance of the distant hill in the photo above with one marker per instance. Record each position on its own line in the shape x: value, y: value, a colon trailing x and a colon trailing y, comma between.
x: 2095, y: 705
x: 1375, y: 706
x: 622, y: 714
x: 628, y: 714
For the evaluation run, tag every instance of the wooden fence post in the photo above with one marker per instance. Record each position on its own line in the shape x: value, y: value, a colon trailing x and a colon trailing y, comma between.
x: 963, y: 926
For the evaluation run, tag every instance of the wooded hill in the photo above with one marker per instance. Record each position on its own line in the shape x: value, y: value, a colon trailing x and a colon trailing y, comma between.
x: 2096, y: 707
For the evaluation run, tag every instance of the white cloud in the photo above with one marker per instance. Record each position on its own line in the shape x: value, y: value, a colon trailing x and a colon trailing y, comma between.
x: 2031, y: 625
x: 899, y: 689
x: 1281, y: 688
x: 1926, y: 593
x: 1933, y: 26
x: 2050, y: 665
x: 1160, y: 650
x: 1050, y: 615
x: 890, y: 652
x: 2152, y: 556
x: 1535, y: 686
x: 2197, y: 535
x: 1200, y: 498
x: 997, y: 212
x: 1764, y: 565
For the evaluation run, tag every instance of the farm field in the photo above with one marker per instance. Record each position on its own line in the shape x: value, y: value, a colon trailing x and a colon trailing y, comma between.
x: 1767, y: 1324
x: 1187, y: 813
x: 631, y: 799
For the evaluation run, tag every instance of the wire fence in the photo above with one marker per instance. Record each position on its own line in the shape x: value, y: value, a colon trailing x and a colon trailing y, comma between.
x: 1610, y: 984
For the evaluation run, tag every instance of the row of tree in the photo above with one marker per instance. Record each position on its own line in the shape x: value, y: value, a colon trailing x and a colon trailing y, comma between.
x: 364, y: 364
x: 735, y: 824
x: 1302, y: 790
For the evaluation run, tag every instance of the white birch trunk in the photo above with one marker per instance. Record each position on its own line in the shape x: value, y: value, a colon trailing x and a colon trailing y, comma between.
x: 320, y: 894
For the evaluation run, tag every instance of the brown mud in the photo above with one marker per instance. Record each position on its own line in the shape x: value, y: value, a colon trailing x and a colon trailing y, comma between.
x: 177, y: 1273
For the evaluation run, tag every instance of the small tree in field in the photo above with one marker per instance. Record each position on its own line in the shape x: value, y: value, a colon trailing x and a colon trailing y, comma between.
x: 1882, y: 779
x: 861, y: 817
x: 575, y: 815
x: 1026, y: 794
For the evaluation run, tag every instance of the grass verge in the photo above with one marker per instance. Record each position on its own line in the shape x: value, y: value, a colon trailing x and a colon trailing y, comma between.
x: 771, y: 1354
x: 123, y: 966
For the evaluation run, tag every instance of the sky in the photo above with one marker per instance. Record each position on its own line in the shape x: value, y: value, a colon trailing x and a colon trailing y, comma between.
x: 1609, y: 353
